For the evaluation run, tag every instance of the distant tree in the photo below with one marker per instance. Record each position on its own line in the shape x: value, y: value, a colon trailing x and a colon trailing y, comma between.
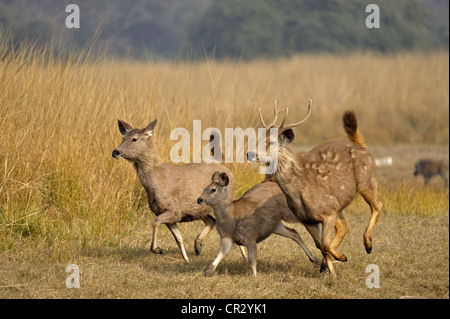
x: 230, y: 28
x: 282, y: 27
x: 233, y: 28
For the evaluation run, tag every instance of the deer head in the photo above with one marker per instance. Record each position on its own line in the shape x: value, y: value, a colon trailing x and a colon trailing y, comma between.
x: 135, y: 143
x: 216, y: 192
x: 285, y: 134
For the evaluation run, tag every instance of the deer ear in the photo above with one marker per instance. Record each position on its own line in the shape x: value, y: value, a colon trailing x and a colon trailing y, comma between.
x: 124, y: 127
x: 215, y: 176
x: 223, y: 179
x: 288, y: 135
x: 148, y: 131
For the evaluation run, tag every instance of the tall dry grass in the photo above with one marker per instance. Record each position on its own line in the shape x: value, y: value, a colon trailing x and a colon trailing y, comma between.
x: 60, y: 189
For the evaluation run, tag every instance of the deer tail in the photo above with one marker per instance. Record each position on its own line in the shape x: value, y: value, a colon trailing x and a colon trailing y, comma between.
x: 351, y: 128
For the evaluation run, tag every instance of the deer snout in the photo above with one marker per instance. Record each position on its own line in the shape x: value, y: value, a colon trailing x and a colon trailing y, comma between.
x: 200, y: 201
x: 116, y: 154
x: 251, y: 157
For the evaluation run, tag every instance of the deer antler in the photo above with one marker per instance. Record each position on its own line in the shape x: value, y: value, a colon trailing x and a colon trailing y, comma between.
x: 282, y: 127
x: 275, y: 116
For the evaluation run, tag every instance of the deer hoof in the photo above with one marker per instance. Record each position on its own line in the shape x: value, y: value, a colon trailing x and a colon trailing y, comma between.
x: 156, y: 250
x: 198, y: 248
x: 323, y: 268
x: 208, y: 271
x: 342, y: 259
x: 368, y: 244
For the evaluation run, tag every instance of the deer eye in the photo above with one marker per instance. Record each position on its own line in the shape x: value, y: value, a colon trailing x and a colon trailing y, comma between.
x: 134, y: 139
x: 213, y: 190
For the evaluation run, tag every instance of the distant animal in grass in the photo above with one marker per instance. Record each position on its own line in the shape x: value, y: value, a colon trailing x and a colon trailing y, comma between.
x: 429, y: 168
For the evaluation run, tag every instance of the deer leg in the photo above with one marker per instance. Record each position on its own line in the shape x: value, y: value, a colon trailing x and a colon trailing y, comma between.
x: 327, y: 230
x: 243, y: 253
x: 316, y: 233
x: 210, y: 222
x: 342, y: 229
x: 225, y: 246
x: 251, y: 248
x: 329, y: 264
x: 177, y: 235
x: 287, y: 232
x: 154, y: 247
x: 370, y: 196
x: 327, y: 233
x: 168, y: 217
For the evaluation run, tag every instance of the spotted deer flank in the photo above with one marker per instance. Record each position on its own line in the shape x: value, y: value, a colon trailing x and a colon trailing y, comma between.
x: 321, y: 183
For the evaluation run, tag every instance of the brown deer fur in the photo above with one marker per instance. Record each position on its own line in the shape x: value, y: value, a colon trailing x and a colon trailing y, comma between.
x: 321, y: 183
x: 429, y: 168
x: 250, y: 219
x: 172, y: 190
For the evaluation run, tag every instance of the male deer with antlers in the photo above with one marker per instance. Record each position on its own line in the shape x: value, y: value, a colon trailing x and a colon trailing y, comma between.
x: 321, y: 183
x: 172, y: 190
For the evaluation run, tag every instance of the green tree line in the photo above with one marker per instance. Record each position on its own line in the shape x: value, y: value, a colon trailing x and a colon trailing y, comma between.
x: 231, y: 28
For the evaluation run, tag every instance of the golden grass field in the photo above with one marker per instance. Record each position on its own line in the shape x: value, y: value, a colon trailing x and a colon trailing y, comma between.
x: 64, y: 199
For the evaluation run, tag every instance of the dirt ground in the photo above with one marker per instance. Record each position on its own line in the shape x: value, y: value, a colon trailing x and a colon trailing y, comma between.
x: 410, y: 249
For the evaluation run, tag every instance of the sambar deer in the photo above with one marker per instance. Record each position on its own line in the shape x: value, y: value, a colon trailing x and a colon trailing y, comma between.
x: 249, y: 219
x: 429, y: 168
x: 172, y: 190
x: 320, y: 183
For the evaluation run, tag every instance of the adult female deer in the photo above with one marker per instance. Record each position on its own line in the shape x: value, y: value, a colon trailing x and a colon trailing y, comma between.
x: 172, y: 190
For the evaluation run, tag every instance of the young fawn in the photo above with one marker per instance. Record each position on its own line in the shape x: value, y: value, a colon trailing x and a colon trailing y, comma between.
x: 250, y: 219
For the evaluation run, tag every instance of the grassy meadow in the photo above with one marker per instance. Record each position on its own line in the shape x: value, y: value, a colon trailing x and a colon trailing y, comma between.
x: 65, y: 200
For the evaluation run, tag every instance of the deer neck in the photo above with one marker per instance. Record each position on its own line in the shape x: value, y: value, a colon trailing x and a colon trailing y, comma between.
x: 224, y: 213
x: 287, y: 163
x: 289, y: 168
x: 147, y: 162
